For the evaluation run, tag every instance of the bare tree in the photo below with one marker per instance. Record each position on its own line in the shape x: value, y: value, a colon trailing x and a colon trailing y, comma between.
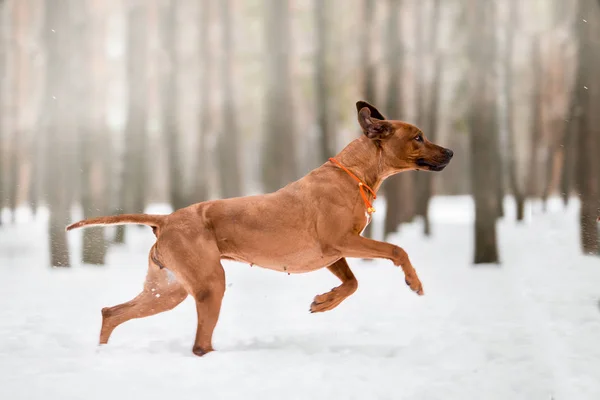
x: 510, y: 164
x: 229, y: 138
x: 171, y: 130
x: 2, y: 84
x: 279, y: 154
x: 588, y: 126
x: 322, y: 79
x: 533, y: 178
x: 429, y: 122
x: 482, y: 127
x: 133, y: 181
x: 89, y: 128
x: 398, y: 190
x: 570, y: 142
x: 419, y: 76
x: 15, y: 91
x: 200, y: 174
x: 58, y: 109
x: 419, y: 96
x: 367, y: 68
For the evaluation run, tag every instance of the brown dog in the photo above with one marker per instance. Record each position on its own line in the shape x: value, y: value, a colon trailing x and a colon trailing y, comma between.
x: 309, y: 224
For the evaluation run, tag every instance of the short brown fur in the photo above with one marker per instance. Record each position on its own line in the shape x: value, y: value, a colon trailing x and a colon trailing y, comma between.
x: 312, y: 223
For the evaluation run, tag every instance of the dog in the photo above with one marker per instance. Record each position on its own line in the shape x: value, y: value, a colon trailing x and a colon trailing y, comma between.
x: 315, y: 222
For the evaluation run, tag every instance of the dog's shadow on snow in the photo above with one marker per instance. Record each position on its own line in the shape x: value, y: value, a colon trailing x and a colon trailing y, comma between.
x: 311, y: 346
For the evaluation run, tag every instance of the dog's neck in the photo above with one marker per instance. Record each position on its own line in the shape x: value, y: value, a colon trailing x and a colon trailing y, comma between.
x: 366, y: 160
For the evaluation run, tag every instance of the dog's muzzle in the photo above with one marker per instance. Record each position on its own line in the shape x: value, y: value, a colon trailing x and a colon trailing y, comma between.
x: 436, y: 166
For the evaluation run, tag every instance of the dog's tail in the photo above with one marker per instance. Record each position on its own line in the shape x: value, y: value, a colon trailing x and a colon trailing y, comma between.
x: 155, y: 221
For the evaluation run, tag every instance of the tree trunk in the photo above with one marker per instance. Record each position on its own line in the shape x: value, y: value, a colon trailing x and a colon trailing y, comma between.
x: 15, y: 92
x: 91, y: 133
x: 171, y: 131
x: 200, y: 173
x: 570, y: 142
x: 33, y: 191
x: 533, y: 178
x: 420, y: 103
x: 279, y: 154
x: 3, y: 21
x: 323, y: 92
x: 430, y: 122
x: 58, y: 110
x: 482, y: 126
x: 400, y: 201
x: 588, y: 127
x: 368, y: 69
x: 229, y: 138
x: 133, y: 182
x: 510, y: 162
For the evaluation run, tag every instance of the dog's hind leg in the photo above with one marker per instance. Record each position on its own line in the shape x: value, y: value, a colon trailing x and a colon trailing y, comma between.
x: 162, y: 292
x: 208, y: 298
x: 330, y: 300
x: 198, y: 265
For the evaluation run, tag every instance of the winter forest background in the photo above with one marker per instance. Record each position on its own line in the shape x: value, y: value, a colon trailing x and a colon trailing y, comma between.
x: 111, y: 105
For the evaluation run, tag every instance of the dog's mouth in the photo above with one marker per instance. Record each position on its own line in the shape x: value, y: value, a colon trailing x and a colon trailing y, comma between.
x: 436, y: 167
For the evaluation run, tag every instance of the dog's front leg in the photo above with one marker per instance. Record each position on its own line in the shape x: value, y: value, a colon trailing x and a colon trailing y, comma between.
x: 330, y: 300
x: 361, y: 247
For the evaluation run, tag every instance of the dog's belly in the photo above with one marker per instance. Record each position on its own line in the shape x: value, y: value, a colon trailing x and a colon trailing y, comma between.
x: 299, y: 262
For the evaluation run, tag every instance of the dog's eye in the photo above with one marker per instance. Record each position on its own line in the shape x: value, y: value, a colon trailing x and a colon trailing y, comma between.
x: 419, y: 138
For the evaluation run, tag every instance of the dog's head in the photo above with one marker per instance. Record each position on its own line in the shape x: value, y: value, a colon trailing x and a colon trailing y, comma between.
x: 403, y: 145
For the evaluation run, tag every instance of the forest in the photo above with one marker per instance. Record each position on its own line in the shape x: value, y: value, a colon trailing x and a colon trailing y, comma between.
x: 108, y: 106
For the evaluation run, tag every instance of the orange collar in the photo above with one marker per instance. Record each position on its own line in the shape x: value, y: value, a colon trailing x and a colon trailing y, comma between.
x: 361, y: 186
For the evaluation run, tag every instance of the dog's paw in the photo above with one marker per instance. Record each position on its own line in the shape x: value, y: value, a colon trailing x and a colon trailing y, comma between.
x: 325, y: 302
x: 199, y: 351
x: 415, y: 284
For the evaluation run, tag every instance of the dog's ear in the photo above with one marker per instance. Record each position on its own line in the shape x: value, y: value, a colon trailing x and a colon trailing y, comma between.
x: 373, y: 128
x: 374, y: 112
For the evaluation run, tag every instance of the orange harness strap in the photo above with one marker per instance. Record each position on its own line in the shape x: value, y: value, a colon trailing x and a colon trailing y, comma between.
x: 361, y: 186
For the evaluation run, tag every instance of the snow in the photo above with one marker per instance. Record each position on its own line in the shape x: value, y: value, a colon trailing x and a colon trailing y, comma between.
x: 527, y: 329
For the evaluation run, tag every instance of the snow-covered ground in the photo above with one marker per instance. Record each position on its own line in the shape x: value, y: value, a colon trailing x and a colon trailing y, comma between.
x: 529, y: 329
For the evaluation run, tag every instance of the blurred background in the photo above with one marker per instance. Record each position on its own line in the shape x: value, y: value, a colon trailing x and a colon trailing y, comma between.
x: 109, y: 106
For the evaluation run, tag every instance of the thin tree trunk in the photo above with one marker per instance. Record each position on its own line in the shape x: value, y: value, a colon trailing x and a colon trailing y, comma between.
x: 35, y: 151
x: 419, y: 76
x: 58, y: 109
x: 400, y: 202
x: 511, y: 160
x: 133, y: 182
x: 367, y: 65
x: 588, y: 181
x: 279, y: 155
x: 323, y: 92
x: 38, y: 146
x: 93, y: 147
x: 420, y: 103
x: 570, y: 142
x: 536, y: 120
x: 200, y: 173
x: 425, y: 180
x: 482, y: 126
x: 229, y: 138
x: 15, y: 90
x: 171, y: 131
x: 3, y: 21
x: 367, y: 68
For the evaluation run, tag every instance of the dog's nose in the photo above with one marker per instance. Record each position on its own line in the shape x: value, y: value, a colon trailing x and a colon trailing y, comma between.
x: 449, y: 153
